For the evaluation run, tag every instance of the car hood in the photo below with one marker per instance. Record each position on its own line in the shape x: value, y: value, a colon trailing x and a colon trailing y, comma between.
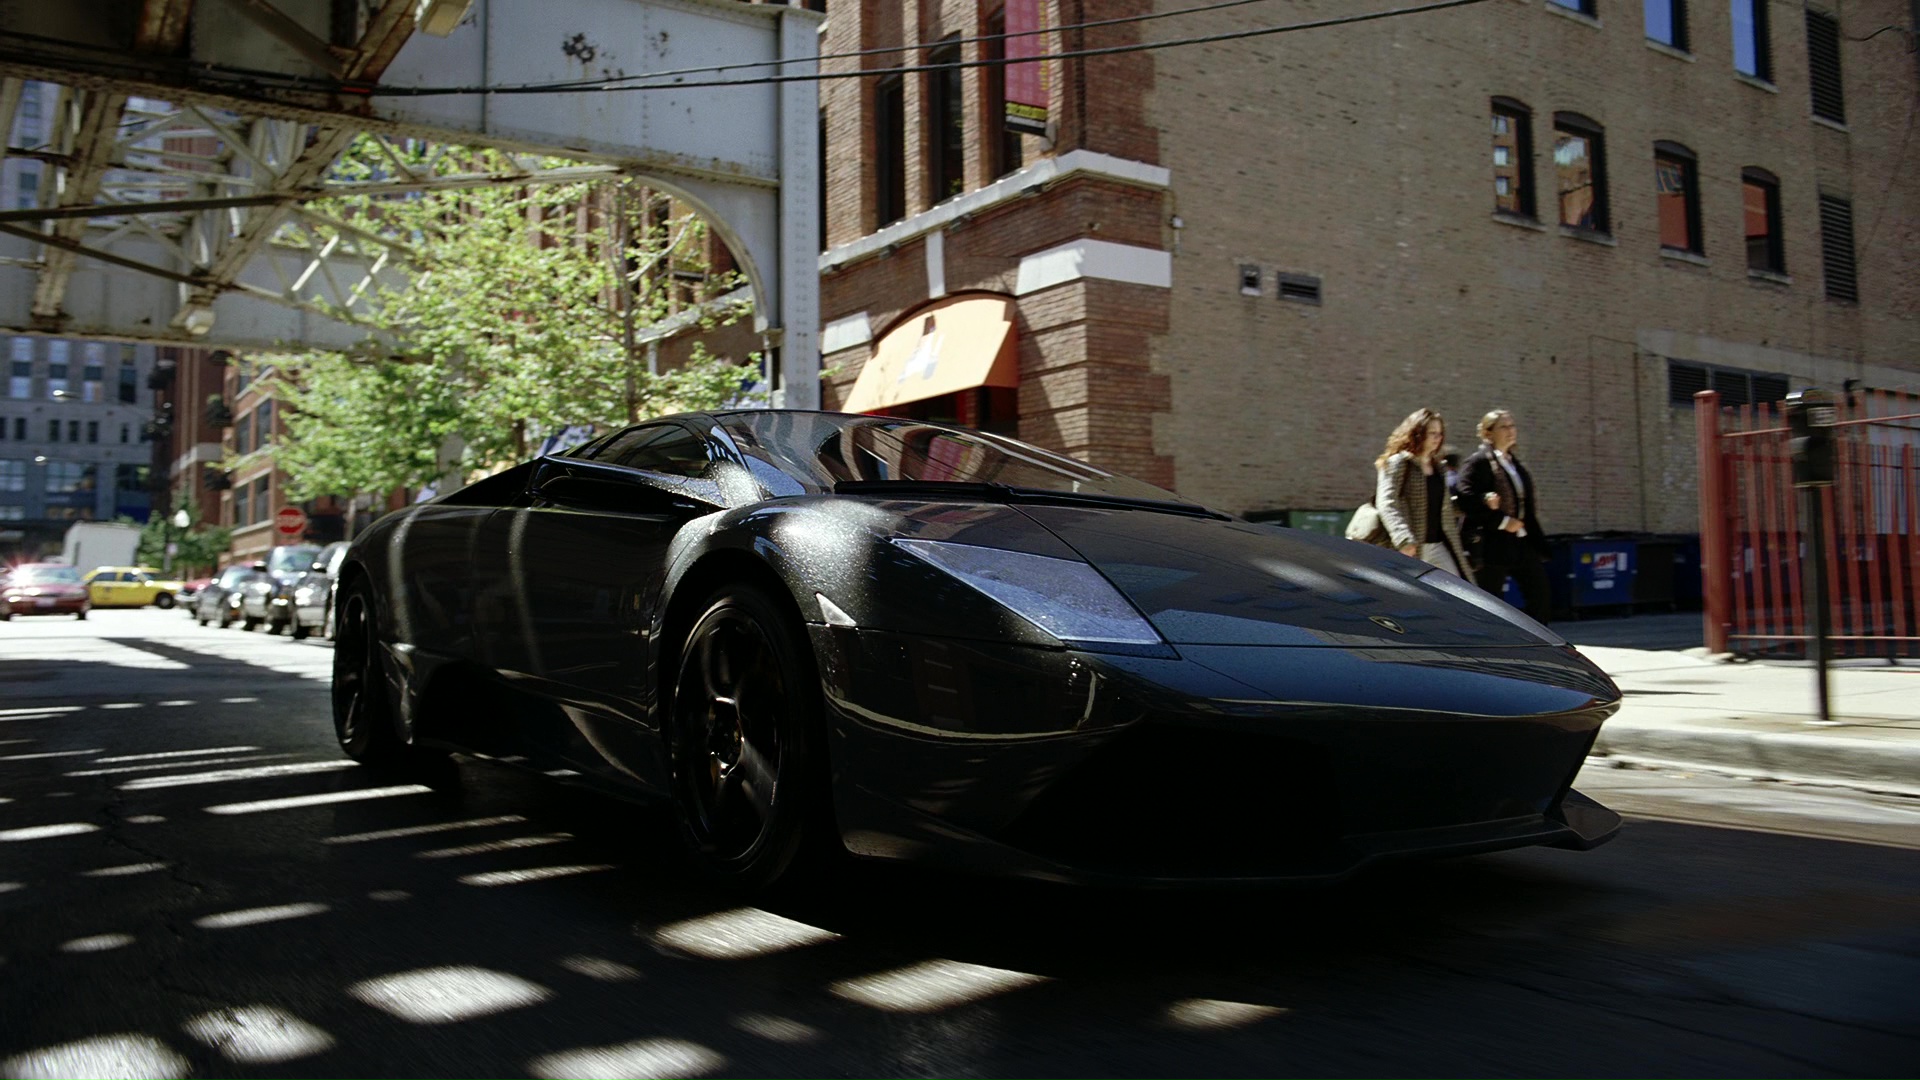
x: 1203, y: 581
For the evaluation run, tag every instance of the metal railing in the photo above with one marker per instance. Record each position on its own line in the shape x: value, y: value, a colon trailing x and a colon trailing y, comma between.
x: 1753, y: 541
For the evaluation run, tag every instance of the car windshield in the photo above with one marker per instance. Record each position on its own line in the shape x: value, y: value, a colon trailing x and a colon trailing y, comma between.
x: 45, y: 575
x: 291, y: 560
x: 821, y: 450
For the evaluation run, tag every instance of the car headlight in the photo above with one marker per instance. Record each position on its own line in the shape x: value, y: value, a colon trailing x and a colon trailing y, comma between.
x: 1486, y: 601
x: 1065, y: 597
x: 303, y: 595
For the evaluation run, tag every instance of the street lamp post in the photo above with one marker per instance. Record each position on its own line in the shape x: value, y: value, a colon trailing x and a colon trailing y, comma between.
x: 178, y: 522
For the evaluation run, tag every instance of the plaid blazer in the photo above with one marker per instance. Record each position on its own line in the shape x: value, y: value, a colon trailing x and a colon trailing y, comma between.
x: 1401, y: 497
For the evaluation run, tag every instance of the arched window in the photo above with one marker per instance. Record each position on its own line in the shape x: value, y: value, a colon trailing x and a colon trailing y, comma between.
x: 1580, y: 172
x: 1512, y: 158
x: 1676, y: 176
x: 1760, y: 202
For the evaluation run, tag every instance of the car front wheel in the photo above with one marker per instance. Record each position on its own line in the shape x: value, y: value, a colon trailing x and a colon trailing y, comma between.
x: 362, y: 714
x: 163, y: 601
x: 748, y: 774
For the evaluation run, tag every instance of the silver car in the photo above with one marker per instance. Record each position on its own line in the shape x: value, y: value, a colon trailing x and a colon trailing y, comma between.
x: 311, y: 594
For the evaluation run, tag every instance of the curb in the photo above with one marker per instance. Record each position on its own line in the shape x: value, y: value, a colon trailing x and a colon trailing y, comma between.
x: 1820, y: 759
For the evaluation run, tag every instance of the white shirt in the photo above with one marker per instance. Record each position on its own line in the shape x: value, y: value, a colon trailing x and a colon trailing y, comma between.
x: 1519, y: 485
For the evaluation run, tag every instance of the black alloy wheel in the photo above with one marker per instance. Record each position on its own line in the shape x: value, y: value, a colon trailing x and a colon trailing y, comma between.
x: 747, y: 776
x: 362, y: 715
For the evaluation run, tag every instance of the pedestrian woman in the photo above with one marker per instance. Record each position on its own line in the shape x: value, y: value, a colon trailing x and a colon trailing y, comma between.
x: 1496, y: 494
x: 1412, y: 493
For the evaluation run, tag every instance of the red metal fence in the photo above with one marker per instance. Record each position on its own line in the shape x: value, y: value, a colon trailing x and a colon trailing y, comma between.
x: 1752, y: 539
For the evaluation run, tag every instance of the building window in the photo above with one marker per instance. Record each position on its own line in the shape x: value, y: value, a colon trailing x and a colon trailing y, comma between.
x: 1667, y: 22
x: 262, y: 504
x: 1823, y: 67
x: 240, y: 506
x: 1584, y: 7
x: 73, y: 431
x: 263, y: 424
x: 889, y: 151
x: 1677, y: 193
x: 27, y: 195
x: 69, y: 477
x: 20, y: 428
x: 946, y: 124
x: 1752, y: 53
x: 13, y: 476
x: 129, y: 383
x: 1760, y: 198
x: 1512, y: 158
x: 20, y: 385
x: 1836, y: 249
x: 57, y: 353
x: 53, y: 431
x: 93, y: 431
x: 126, y: 432
x: 1580, y: 170
x: 1001, y: 142
x: 92, y: 381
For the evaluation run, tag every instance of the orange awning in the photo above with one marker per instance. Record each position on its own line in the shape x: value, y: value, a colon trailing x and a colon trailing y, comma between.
x: 956, y: 344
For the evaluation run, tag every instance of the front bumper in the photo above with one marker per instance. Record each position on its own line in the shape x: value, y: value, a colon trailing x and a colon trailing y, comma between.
x: 48, y: 605
x: 1092, y: 768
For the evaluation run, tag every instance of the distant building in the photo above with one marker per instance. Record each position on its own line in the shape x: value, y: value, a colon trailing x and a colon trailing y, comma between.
x: 1231, y: 268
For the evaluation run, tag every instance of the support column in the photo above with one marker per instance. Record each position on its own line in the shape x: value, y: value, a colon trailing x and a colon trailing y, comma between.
x: 798, y: 298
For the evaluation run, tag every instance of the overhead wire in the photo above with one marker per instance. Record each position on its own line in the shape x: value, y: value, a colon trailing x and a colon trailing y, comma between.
x: 237, y: 78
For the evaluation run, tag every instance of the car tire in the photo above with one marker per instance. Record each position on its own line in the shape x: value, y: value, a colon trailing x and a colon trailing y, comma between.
x: 274, y: 628
x: 747, y: 765
x: 295, y: 629
x: 362, y: 710
x: 81, y: 615
x: 163, y: 601
x: 248, y: 622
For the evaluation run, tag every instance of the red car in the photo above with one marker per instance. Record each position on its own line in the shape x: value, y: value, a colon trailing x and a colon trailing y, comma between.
x: 44, y: 589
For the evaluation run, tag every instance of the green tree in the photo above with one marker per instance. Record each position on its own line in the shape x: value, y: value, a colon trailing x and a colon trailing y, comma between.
x: 515, y: 322
x: 198, y: 546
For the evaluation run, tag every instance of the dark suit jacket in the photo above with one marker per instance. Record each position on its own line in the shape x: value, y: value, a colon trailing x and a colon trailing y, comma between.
x: 1487, y: 544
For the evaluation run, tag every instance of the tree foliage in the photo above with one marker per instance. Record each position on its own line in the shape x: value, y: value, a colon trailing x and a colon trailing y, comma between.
x: 522, y: 315
x: 199, y: 546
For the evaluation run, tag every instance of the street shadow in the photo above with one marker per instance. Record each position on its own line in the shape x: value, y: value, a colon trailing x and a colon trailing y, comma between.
x: 209, y: 889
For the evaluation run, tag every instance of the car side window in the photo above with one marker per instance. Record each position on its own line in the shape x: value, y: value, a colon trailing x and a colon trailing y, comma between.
x: 662, y: 448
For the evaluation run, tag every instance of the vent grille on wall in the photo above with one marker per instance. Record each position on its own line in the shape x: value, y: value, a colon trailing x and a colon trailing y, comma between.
x: 1836, y: 249
x: 1300, y: 288
x: 1823, y: 67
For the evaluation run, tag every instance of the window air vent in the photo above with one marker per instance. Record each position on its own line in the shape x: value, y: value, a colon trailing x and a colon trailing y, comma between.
x: 1836, y: 249
x: 1300, y: 288
x: 1684, y: 381
x: 1823, y: 67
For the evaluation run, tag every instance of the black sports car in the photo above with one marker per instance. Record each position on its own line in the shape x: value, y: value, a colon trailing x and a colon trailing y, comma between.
x: 815, y: 632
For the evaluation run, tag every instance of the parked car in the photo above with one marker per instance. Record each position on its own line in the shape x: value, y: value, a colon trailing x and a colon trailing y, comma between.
x: 129, y: 586
x: 312, y: 592
x: 45, y: 589
x: 190, y: 591
x: 273, y: 604
x: 814, y: 634
x: 219, y: 601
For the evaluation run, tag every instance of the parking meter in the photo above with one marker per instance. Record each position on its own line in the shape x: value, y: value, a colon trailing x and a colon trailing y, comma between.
x: 1810, y: 423
x: 1810, y: 420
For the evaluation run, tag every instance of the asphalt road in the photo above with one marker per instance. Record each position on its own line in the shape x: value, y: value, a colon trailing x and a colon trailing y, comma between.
x: 194, y: 883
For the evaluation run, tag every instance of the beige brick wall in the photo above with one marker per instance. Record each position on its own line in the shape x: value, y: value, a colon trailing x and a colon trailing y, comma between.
x: 1362, y: 154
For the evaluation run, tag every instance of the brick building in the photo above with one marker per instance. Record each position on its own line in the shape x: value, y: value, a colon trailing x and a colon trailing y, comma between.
x: 1233, y: 267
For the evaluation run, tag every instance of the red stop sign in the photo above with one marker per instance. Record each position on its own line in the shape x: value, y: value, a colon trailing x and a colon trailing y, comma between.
x: 290, y: 521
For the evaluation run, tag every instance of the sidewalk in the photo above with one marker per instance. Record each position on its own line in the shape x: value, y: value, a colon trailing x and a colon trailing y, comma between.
x: 1683, y: 707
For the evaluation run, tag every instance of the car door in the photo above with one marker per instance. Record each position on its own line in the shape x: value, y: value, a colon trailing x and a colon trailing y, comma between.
x: 100, y: 587
x: 588, y: 557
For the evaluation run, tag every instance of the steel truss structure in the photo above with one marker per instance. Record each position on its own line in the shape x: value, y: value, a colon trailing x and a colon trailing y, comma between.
x: 193, y: 145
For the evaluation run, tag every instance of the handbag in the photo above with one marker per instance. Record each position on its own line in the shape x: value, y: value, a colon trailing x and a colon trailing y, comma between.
x: 1366, y: 526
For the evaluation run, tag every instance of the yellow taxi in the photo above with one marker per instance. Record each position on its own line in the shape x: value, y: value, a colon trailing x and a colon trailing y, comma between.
x: 130, y: 586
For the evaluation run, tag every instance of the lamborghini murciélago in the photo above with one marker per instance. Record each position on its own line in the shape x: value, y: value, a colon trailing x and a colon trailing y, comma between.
x: 818, y: 633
